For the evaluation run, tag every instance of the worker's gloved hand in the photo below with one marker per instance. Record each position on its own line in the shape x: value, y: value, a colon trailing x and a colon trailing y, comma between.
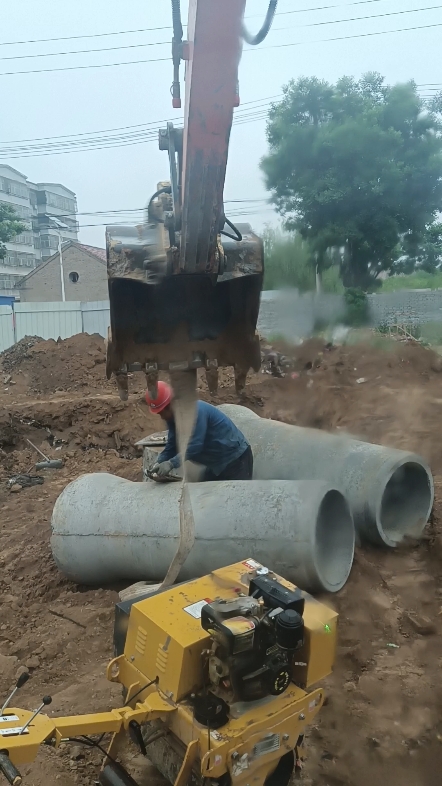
x: 163, y: 469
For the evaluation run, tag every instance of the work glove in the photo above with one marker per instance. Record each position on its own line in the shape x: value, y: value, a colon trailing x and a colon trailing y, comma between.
x: 163, y: 469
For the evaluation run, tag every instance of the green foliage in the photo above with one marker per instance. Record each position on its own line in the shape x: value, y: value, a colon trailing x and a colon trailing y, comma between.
x: 356, y: 307
x: 288, y: 262
x: 423, y: 253
x: 431, y: 333
x: 355, y: 166
x: 418, y: 280
x: 10, y: 226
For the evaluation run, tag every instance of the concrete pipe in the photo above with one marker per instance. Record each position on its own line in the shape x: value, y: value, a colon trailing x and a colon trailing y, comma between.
x: 390, y: 492
x: 105, y: 528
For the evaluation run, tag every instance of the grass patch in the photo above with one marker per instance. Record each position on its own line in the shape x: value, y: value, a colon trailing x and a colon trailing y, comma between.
x: 419, y: 280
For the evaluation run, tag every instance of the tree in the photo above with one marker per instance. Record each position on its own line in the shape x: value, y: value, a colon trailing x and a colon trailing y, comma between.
x: 354, y: 167
x: 10, y: 226
x: 426, y: 254
x: 289, y: 263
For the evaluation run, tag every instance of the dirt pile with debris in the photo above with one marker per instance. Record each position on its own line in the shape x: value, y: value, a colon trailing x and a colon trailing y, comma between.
x: 71, y: 364
x: 12, y: 358
x: 382, y: 721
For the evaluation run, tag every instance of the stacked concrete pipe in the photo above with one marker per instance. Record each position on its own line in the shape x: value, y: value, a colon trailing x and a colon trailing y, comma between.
x: 390, y: 492
x: 105, y: 528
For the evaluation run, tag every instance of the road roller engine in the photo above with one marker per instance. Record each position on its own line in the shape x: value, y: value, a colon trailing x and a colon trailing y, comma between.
x: 218, y: 679
x: 254, y: 640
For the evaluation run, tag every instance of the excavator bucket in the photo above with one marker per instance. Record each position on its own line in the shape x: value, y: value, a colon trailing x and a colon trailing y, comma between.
x: 161, y: 322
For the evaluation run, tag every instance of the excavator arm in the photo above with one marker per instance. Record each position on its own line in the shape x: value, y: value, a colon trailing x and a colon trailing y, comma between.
x: 184, y: 287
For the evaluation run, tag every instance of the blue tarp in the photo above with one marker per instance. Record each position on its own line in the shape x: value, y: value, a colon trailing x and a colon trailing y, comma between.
x: 7, y: 300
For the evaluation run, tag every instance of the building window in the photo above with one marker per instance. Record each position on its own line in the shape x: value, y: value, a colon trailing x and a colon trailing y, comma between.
x: 8, y: 282
x: 62, y: 203
x: 74, y: 277
x: 50, y: 241
x: 26, y: 238
x: 20, y: 210
x: 14, y: 259
x: 14, y: 188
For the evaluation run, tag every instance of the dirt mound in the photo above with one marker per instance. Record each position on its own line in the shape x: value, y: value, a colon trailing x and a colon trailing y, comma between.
x: 62, y: 365
x: 13, y: 357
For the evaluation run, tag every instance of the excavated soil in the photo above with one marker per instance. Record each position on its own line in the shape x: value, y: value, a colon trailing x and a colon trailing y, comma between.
x: 383, y: 718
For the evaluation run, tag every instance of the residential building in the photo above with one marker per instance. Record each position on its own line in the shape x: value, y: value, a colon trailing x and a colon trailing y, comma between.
x: 49, y: 213
x: 84, y: 276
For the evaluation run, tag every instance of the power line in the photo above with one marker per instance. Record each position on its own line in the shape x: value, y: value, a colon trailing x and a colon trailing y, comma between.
x: 163, y: 43
x: 85, y: 35
x: 137, y: 125
x: 84, y: 51
x: 138, y: 209
x: 252, y: 49
x: 341, y: 38
x: 99, y: 143
x: 169, y: 27
x: 370, y: 16
x: 103, y: 143
x: 142, y: 132
x: 77, y: 68
x: 320, y: 8
x: 435, y: 86
x: 266, y: 209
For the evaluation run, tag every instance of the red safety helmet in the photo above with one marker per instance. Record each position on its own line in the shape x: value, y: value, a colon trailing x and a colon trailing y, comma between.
x: 163, y: 399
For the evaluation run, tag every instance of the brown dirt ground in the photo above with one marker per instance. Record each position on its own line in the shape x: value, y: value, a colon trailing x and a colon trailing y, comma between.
x: 383, y: 719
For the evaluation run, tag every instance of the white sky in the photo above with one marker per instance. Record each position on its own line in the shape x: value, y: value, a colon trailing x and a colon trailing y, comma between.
x: 73, y: 102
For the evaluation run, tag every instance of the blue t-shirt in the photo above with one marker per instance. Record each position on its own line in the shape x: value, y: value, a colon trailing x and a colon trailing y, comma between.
x: 215, y: 441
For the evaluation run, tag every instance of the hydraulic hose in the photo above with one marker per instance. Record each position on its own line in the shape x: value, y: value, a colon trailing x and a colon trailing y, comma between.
x: 151, y: 218
x: 237, y: 236
x: 253, y: 40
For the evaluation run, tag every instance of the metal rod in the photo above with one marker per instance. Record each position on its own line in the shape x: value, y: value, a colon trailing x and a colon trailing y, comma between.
x: 23, y: 678
x: 37, y: 449
x: 8, y: 700
x: 46, y: 700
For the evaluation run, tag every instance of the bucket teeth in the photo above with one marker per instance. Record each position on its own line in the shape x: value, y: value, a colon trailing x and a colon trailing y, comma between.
x: 152, y: 383
x: 122, y: 385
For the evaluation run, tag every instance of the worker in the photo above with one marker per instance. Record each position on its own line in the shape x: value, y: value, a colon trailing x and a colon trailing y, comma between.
x: 216, y: 443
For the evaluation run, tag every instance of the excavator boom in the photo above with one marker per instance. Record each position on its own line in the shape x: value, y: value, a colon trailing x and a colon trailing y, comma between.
x: 184, y: 287
x: 213, y: 49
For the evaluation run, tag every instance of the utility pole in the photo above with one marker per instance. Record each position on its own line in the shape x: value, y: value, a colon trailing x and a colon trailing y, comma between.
x: 60, y: 253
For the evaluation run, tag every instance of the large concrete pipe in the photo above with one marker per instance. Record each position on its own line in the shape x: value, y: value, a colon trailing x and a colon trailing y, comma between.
x: 390, y: 492
x: 105, y: 528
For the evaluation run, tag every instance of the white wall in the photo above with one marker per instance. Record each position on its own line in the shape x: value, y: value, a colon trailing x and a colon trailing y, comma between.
x: 52, y: 320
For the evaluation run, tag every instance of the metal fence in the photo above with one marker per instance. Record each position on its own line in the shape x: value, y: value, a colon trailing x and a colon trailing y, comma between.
x: 288, y: 313
x: 52, y: 320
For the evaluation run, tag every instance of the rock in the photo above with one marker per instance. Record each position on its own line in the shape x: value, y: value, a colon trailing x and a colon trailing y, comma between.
x: 8, y: 599
x: 15, y: 488
x: 8, y: 665
x: 77, y: 753
x: 33, y: 662
x: 21, y: 670
x: 349, y: 686
x: 421, y: 624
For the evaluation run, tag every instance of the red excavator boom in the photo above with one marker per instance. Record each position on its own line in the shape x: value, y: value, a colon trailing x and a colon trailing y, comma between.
x: 185, y: 286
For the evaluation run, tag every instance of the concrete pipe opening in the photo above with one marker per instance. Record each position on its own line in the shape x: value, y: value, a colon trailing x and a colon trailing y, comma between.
x: 335, y: 541
x: 406, y: 503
